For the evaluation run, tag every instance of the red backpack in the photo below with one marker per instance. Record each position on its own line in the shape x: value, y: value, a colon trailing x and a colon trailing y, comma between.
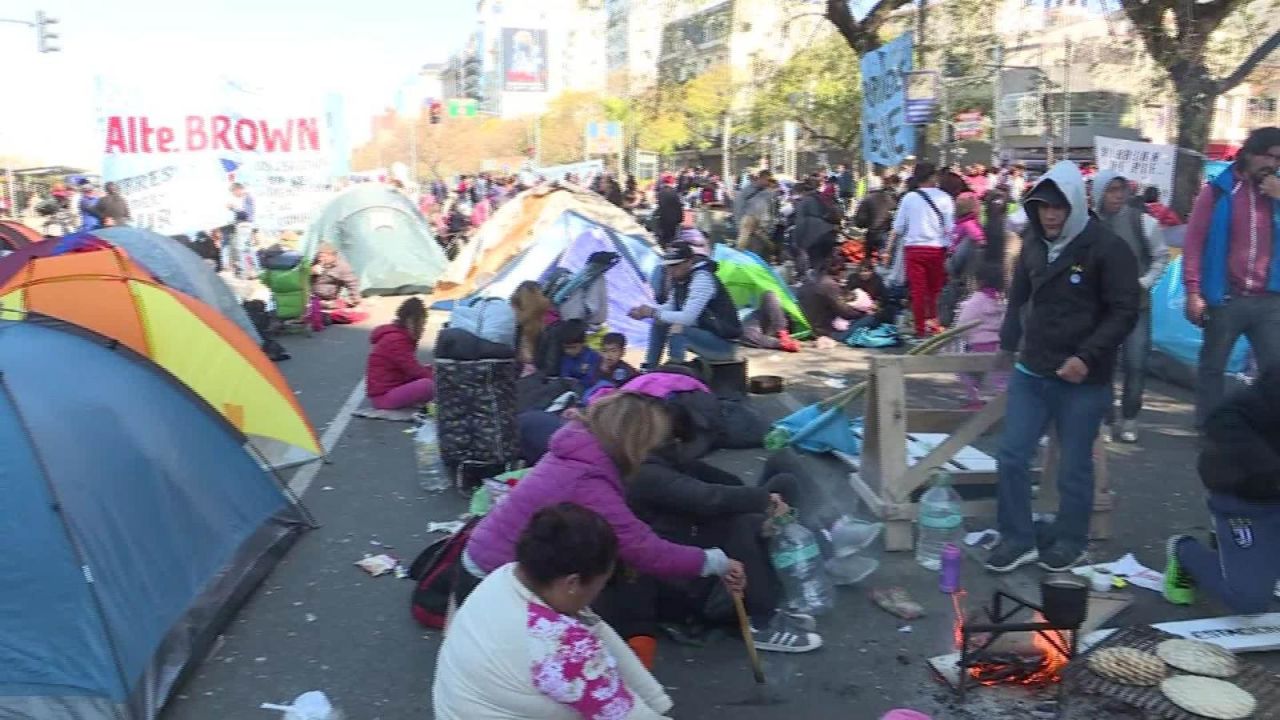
x: 434, y: 570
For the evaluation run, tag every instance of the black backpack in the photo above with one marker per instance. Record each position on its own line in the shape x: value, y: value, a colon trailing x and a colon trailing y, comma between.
x: 434, y: 570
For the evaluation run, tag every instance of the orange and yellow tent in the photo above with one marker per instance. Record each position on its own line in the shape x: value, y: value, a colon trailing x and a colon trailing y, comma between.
x: 107, y: 292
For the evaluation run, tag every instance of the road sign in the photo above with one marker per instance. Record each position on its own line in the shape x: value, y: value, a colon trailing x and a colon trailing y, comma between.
x: 604, y: 138
x: 922, y: 96
x: 463, y: 107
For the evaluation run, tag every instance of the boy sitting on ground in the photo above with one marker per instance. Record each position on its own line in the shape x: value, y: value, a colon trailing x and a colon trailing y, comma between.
x: 577, y: 361
x: 613, y: 369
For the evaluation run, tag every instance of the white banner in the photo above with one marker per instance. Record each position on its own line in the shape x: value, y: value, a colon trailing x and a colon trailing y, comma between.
x: 175, y: 149
x: 1143, y: 163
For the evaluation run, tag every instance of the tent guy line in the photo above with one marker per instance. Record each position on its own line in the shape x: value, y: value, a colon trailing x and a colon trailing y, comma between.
x: 306, y: 475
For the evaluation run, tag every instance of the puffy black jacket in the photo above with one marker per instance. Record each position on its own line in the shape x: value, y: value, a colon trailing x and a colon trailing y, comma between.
x: 720, y: 316
x: 1241, y: 455
x: 675, y: 497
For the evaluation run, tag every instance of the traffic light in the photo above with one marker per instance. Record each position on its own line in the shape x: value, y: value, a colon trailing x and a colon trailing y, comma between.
x: 44, y: 36
x: 435, y: 111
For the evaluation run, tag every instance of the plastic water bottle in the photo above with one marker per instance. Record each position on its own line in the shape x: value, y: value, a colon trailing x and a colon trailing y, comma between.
x: 795, y: 555
x: 941, y: 520
x: 432, y: 477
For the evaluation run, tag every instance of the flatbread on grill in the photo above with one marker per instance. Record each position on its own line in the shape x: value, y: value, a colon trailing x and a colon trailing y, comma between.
x: 1217, y: 699
x: 1129, y: 666
x: 1199, y: 658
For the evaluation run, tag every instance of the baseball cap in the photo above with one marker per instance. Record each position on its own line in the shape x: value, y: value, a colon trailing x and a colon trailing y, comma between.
x: 677, y: 253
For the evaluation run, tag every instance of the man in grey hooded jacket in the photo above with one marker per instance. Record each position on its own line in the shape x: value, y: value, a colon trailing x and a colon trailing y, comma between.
x: 1114, y: 202
x: 1074, y: 299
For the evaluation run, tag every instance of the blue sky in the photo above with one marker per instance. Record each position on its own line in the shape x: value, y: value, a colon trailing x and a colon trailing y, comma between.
x: 364, y: 49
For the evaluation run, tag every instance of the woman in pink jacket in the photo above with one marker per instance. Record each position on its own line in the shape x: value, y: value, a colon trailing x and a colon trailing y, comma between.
x: 587, y: 463
x: 393, y: 376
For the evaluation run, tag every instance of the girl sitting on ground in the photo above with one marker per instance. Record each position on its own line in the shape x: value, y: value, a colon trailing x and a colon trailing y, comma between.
x: 525, y: 644
x: 394, y: 378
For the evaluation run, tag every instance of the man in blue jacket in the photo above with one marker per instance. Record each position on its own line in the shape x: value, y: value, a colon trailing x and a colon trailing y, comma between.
x: 1074, y: 298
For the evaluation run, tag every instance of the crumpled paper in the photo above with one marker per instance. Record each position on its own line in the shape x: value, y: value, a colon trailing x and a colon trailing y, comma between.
x: 1130, y: 569
x: 377, y: 565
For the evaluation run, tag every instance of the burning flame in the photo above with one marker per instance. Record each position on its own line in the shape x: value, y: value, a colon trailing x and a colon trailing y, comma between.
x: 1048, y: 653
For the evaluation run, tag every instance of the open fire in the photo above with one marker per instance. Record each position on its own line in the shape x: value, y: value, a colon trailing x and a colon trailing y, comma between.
x: 1032, y: 658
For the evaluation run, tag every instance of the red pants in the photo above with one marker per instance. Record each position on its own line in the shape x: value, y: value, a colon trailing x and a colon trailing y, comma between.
x: 926, y: 275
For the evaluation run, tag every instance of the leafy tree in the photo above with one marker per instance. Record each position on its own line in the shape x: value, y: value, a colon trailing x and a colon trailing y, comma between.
x: 820, y: 89
x: 707, y: 99
x: 1179, y: 36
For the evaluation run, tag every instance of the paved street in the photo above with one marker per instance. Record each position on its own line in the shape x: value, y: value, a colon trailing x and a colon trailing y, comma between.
x: 320, y: 623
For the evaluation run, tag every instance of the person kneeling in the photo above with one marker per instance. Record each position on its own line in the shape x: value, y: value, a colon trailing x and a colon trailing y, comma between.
x: 525, y: 644
x: 689, y: 501
x: 394, y: 378
x: 1240, y: 466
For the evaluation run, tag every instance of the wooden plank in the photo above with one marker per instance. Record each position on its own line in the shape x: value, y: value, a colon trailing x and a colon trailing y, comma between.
x: 867, y: 463
x: 868, y: 494
x: 925, y: 364
x: 929, y: 420
x: 891, y: 428
x: 915, y: 476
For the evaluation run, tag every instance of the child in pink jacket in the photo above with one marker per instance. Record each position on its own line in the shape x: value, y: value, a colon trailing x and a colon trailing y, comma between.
x: 986, y: 307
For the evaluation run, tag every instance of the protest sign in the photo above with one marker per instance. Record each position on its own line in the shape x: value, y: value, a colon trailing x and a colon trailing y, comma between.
x: 1143, y: 163
x: 886, y: 138
x: 175, y: 150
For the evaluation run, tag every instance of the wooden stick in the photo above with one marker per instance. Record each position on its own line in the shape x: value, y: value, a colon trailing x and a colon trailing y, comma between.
x: 744, y: 624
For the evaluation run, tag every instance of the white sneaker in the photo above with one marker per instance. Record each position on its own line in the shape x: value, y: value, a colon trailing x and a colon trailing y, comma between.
x: 1129, y: 431
x: 782, y: 635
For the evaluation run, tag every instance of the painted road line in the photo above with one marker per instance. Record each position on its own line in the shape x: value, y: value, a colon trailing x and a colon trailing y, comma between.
x: 307, y: 474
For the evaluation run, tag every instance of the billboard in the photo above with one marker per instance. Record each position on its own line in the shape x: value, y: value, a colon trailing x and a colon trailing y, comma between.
x: 524, y: 60
x: 174, y: 150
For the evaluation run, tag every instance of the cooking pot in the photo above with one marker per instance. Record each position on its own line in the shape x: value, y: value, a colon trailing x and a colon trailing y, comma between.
x: 1064, y: 599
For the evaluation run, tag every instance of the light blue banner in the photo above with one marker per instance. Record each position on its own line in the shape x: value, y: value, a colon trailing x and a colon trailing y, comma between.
x: 887, y: 139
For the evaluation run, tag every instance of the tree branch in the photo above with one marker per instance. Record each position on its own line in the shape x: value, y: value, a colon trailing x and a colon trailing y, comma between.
x: 1147, y: 18
x: 1255, y: 58
x: 862, y: 37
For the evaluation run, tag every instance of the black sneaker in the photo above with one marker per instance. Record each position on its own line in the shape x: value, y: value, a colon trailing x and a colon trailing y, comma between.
x: 1061, y: 558
x: 1006, y: 558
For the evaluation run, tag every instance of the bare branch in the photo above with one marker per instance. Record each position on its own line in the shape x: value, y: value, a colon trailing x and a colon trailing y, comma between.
x: 1147, y: 18
x: 863, y: 36
x: 1255, y: 58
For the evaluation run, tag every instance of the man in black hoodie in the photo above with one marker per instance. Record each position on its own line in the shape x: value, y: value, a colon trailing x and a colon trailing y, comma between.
x: 1073, y: 300
x: 1240, y: 467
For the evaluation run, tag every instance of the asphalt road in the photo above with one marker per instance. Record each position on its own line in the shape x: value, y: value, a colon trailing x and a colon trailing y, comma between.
x: 320, y: 623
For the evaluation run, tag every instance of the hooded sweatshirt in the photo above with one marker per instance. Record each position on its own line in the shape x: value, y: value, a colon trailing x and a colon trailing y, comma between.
x: 577, y: 470
x: 1138, y: 229
x: 1074, y: 295
x: 393, y: 361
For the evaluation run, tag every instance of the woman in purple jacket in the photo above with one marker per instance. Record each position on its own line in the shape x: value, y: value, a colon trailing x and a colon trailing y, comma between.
x: 587, y: 463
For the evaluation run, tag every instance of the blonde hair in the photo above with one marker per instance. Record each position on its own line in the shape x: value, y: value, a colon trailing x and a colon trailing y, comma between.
x: 628, y: 426
x: 530, y: 306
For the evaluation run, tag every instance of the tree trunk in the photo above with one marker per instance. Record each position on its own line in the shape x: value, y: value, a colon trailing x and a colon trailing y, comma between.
x: 1195, y: 119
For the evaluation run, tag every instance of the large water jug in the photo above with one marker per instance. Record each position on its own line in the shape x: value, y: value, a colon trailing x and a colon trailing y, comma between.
x: 941, y: 520
x: 432, y: 476
x: 795, y: 554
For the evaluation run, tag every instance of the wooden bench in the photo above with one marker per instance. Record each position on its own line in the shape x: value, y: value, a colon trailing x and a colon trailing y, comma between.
x: 892, y: 436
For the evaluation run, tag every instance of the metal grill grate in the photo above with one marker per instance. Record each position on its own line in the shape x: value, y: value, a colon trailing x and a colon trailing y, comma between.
x: 1079, y: 678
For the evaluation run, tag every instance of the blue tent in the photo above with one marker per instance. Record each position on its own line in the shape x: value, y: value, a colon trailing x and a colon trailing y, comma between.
x: 384, y: 237
x: 567, y: 243
x: 134, y: 524
x: 1172, y: 334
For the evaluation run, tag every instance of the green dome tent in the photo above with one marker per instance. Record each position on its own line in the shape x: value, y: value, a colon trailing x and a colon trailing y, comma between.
x: 384, y: 237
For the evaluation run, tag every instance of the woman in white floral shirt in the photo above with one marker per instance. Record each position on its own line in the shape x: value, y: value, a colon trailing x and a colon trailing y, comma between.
x: 525, y: 646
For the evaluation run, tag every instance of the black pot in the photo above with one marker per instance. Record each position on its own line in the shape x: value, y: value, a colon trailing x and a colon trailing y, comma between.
x: 1065, y: 599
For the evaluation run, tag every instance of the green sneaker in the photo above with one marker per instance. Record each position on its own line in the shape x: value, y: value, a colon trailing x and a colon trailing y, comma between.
x: 1179, y: 588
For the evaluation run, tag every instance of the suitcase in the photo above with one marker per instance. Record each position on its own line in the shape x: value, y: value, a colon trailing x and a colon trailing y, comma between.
x: 476, y: 412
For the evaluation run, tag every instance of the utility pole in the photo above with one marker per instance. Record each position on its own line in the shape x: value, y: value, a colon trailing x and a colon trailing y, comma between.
x: 1066, y: 101
x: 726, y: 162
x: 997, y: 54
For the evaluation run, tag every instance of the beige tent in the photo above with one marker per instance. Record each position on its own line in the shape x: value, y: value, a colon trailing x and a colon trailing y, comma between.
x: 517, y: 225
